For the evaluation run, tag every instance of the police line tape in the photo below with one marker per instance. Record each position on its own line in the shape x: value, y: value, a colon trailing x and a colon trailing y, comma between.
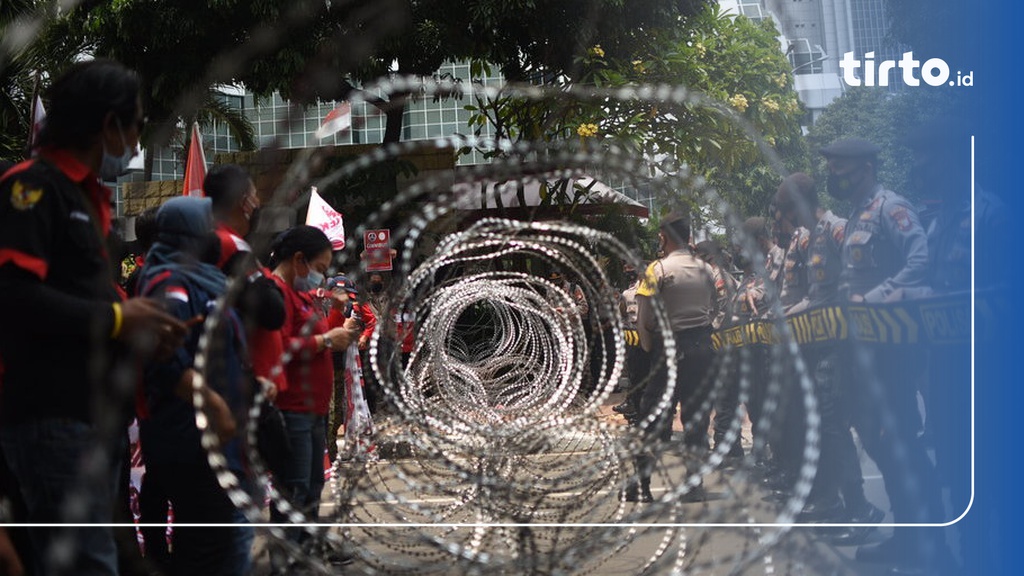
x: 940, y: 320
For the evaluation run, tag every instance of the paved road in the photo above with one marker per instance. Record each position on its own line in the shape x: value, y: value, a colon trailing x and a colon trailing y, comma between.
x: 403, y: 490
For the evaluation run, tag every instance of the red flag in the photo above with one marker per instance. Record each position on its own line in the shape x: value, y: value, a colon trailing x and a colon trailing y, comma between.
x: 195, y: 166
x: 337, y: 120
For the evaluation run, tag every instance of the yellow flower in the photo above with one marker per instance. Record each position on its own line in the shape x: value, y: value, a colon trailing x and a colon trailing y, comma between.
x: 739, y: 102
x: 596, y: 51
x: 701, y: 50
x: 638, y: 66
x: 770, y: 105
x: 770, y: 140
x: 782, y: 80
x: 792, y: 106
x: 587, y: 130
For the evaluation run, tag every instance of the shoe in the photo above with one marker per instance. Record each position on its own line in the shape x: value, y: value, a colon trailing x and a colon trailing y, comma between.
x: 823, y: 512
x: 636, y: 493
x: 866, y: 514
x: 624, y: 409
x: 695, y: 495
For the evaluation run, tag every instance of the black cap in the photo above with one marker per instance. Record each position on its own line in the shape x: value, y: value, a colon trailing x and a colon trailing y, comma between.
x: 342, y: 283
x: 850, y: 148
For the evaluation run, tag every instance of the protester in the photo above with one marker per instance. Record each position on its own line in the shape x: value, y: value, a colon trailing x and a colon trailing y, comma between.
x: 181, y: 271
x: 65, y: 330
x: 300, y: 257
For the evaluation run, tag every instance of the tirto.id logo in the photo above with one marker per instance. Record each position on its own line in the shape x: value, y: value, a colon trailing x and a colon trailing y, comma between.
x: 934, y: 71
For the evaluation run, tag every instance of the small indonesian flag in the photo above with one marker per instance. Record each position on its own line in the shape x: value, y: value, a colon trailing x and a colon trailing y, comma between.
x: 321, y: 215
x: 336, y: 121
x: 195, y: 166
x: 38, y: 114
x: 177, y: 293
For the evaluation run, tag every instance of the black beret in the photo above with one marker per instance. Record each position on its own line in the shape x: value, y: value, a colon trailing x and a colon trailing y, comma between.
x: 850, y: 148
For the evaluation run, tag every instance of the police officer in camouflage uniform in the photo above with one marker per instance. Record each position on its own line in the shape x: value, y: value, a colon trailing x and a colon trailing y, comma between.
x: 797, y: 208
x: 885, y: 250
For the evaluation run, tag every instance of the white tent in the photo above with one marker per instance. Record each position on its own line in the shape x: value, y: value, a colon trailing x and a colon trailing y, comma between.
x: 585, y: 190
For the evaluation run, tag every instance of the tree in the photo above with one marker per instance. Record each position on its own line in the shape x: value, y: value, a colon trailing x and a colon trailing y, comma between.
x: 883, y: 118
x: 735, y: 63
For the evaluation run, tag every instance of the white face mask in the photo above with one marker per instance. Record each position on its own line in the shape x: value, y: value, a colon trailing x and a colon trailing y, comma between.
x: 114, y: 166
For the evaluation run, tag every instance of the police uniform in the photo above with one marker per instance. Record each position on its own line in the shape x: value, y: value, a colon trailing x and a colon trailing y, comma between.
x: 774, y: 272
x: 686, y: 286
x: 794, y: 269
x: 824, y: 263
x: 885, y: 249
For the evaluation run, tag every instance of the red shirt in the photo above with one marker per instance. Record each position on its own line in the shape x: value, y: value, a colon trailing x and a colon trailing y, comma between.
x: 310, y: 374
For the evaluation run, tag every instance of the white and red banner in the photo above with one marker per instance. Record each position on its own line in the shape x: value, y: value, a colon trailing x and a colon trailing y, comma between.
x: 378, y: 250
x: 195, y: 166
x: 321, y: 215
x: 38, y: 114
x: 358, y: 441
x: 337, y: 120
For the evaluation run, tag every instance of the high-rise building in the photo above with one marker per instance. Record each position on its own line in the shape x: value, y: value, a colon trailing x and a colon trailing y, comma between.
x: 816, y: 33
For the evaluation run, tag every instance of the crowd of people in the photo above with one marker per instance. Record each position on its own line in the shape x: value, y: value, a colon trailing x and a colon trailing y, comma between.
x: 84, y: 354
x: 805, y: 257
x: 80, y: 356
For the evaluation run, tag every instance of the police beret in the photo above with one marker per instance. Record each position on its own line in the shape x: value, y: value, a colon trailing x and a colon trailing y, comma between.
x: 850, y: 148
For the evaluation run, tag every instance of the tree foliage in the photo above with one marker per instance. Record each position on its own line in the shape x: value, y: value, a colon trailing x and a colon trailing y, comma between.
x: 749, y: 106
x: 883, y: 118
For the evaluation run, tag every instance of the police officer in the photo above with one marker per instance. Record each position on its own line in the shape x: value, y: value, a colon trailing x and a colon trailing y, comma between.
x: 638, y: 366
x: 797, y: 207
x: 885, y: 250
x: 686, y: 287
x: 941, y: 172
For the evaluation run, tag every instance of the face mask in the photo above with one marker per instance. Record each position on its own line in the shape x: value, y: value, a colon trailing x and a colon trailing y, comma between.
x: 841, y: 186
x: 114, y: 166
x: 376, y: 287
x: 631, y: 276
x: 310, y: 281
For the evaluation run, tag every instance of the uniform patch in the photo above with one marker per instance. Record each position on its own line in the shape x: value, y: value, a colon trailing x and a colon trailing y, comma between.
x: 23, y: 198
x: 649, y: 283
x: 839, y: 233
x: 805, y: 241
x: 900, y: 216
x: 856, y: 254
x: 816, y: 259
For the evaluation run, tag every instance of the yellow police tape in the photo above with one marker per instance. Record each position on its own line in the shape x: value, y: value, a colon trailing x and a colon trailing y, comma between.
x: 940, y: 320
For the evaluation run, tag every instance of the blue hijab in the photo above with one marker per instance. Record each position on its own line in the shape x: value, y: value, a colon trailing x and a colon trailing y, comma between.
x: 185, y: 230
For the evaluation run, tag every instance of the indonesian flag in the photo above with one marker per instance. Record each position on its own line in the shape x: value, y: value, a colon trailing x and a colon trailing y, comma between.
x: 336, y: 121
x: 321, y: 215
x: 195, y: 166
x: 38, y: 113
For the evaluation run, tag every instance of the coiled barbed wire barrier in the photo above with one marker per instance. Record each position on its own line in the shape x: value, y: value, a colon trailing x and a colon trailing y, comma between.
x: 498, y: 458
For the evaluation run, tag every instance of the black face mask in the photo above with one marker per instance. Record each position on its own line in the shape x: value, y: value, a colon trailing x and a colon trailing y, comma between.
x: 631, y: 276
x: 841, y: 186
x: 376, y: 287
